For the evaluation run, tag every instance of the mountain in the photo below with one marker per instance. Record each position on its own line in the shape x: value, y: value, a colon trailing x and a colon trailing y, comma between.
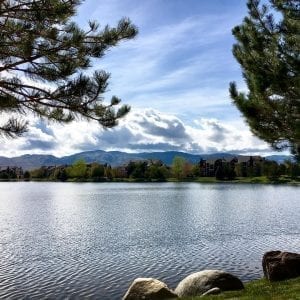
x: 29, y: 162
x: 279, y: 158
x: 114, y: 158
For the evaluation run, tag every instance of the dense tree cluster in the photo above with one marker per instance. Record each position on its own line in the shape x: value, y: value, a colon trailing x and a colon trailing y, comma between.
x: 12, y: 173
x: 155, y: 170
x: 147, y: 170
x: 78, y: 170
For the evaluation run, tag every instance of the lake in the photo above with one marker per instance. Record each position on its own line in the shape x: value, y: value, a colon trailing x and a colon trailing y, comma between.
x: 91, y: 240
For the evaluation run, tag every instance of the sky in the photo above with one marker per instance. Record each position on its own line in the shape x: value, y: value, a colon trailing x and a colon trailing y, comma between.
x: 175, y: 76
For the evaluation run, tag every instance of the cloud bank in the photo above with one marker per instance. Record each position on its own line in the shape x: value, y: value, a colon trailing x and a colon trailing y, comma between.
x: 141, y: 130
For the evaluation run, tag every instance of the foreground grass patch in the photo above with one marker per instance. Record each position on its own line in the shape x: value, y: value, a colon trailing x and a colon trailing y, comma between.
x: 262, y: 289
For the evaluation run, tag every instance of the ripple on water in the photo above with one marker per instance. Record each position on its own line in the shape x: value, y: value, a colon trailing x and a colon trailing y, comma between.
x: 92, y: 242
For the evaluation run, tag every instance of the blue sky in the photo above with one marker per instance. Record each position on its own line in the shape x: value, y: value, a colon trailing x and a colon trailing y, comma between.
x: 181, y: 62
x: 175, y: 76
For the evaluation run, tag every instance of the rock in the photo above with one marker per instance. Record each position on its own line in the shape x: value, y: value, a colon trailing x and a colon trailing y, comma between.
x: 213, y: 291
x: 279, y: 265
x: 199, y: 283
x: 148, y: 289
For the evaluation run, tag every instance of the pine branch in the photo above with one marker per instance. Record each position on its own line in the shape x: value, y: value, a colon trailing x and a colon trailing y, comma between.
x: 13, y: 128
x: 39, y: 40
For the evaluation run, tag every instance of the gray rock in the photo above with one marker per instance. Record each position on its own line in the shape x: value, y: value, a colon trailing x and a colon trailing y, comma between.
x: 148, y: 289
x: 199, y: 283
x: 213, y: 291
x: 279, y: 265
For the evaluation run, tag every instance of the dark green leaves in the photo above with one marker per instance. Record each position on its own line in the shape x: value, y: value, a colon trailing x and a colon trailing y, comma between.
x: 38, y: 41
x: 269, y: 54
x: 13, y: 128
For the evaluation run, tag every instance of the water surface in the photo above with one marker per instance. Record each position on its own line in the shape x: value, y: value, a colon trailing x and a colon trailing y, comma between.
x: 90, y: 240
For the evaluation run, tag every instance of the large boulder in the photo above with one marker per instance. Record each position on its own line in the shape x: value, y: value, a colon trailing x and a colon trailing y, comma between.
x: 199, y: 283
x: 279, y: 265
x: 148, y: 289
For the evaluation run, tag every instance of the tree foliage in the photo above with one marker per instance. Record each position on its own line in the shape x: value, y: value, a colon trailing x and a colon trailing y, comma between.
x: 77, y: 170
x: 152, y: 170
x: 43, y: 54
x: 268, y: 50
x: 97, y: 170
x: 178, y: 167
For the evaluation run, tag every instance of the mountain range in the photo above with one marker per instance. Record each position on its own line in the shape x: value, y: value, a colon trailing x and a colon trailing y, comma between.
x: 114, y: 158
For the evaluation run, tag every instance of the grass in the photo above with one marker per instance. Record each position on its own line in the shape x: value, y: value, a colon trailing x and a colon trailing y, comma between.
x: 261, y: 289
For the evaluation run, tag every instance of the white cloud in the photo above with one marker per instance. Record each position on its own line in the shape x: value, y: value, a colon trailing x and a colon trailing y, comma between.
x: 141, y: 130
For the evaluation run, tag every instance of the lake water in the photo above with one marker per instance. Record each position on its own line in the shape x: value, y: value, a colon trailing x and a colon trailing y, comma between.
x: 90, y: 240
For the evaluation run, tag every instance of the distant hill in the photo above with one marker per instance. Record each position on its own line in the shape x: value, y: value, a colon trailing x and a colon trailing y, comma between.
x: 279, y: 158
x: 29, y: 162
x: 114, y: 158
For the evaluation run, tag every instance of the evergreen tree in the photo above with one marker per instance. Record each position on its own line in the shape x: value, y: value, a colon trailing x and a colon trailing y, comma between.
x: 42, y: 56
x: 60, y: 173
x: 268, y: 50
x: 140, y: 168
x: 220, y: 169
x: 97, y: 170
x: 26, y: 175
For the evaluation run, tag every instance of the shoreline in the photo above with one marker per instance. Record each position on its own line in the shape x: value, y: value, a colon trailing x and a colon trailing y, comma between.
x: 208, y: 180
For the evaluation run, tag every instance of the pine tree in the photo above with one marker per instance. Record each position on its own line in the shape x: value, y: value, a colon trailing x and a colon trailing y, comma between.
x: 268, y: 50
x: 43, y: 55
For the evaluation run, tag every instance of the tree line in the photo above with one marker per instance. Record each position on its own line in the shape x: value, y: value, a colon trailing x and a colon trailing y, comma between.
x: 156, y: 170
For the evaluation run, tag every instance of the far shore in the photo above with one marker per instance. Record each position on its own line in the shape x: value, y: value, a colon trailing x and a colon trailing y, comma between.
x: 244, y: 180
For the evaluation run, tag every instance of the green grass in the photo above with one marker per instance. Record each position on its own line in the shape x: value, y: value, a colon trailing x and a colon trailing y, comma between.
x: 261, y: 289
